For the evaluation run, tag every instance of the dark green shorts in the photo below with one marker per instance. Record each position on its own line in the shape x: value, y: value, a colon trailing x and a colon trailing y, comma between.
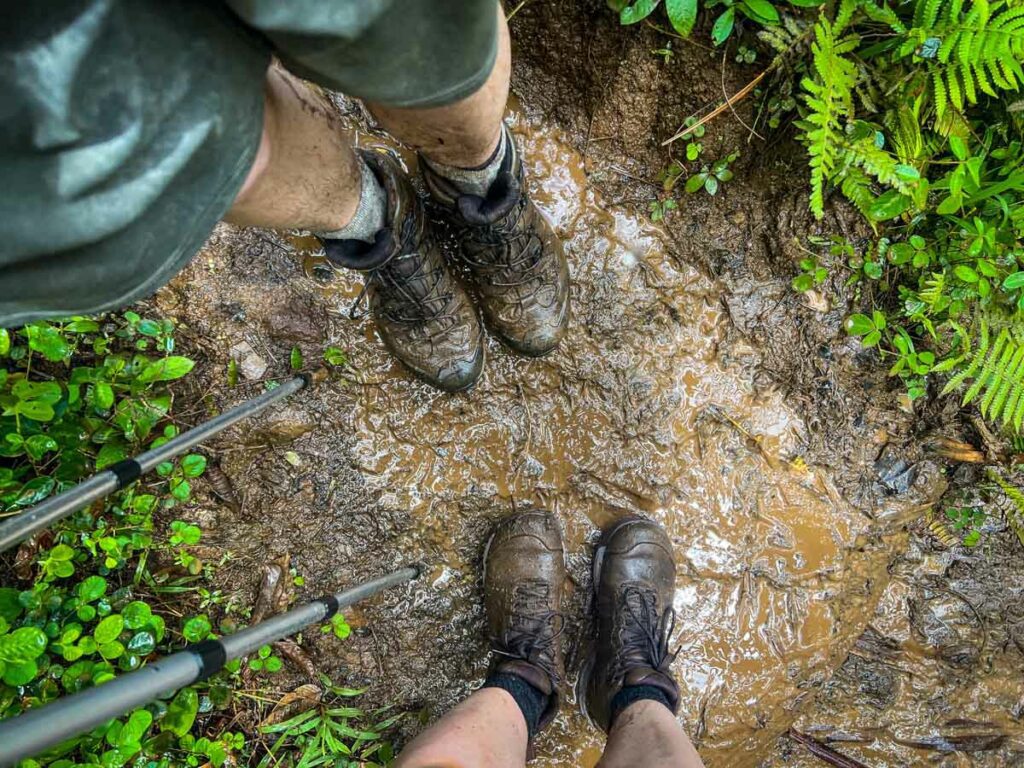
x: 128, y: 126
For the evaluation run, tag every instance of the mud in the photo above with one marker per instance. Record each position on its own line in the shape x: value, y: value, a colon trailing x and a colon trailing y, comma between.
x: 642, y: 410
x: 693, y: 387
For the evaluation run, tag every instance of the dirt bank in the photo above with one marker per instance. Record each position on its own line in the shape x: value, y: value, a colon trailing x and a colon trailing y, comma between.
x: 692, y: 380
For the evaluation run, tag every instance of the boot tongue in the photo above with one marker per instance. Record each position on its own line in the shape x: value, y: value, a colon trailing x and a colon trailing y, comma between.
x: 501, y: 198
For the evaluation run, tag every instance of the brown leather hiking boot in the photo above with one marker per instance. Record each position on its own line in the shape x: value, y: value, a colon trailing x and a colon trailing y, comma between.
x: 634, y: 579
x: 524, y: 574
x: 423, y: 315
x: 513, y: 259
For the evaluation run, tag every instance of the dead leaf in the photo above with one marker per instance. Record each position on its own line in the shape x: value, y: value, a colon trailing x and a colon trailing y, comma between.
x: 293, y: 703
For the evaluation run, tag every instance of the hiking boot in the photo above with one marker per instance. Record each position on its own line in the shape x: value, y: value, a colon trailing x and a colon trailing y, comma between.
x: 524, y: 574
x: 423, y: 315
x: 512, y: 258
x: 634, y: 580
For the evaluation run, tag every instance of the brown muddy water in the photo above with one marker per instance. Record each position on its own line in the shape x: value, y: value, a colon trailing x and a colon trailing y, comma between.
x: 643, y: 409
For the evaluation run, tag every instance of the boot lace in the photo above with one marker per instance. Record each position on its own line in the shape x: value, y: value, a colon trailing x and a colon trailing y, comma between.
x: 645, y: 636
x: 420, y: 297
x: 533, y: 628
x: 509, y: 251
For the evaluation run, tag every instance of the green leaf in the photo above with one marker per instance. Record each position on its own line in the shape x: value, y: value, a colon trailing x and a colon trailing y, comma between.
x: 20, y: 674
x: 39, y: 445
x: 112, y: 650
x: 888, y: 205
x: 110, y: 453
x: 723, y: 26
x: 135, y: 727
x: 142, y: 644
x: 102, y: 396
x: 92, y: 588
x: 637, y: 11
x: 695, y: 182
x: 166, y: 369
x: 5, y: 341
x: 295, y: 359
x: 136, y: 614
x: 181, y: 712
x: 22, y: 645
x: 82, y: 326
x: 48, y: 341
x: 682, y: 14
x: 803, y: 283
x: 1014, y: 281
x: 197, y: 628
x: 871, y: 339
x: 858, y: 325
x: 965, y: 273
x: 109, y: 629
x: 711, y: 185
x: 193, y: 465
x: 149, y: 328
x: 762, y: 11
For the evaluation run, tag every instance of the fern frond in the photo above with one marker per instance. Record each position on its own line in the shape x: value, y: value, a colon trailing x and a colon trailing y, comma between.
x: 856, y: 187
x: 876, y: 162
x: 1015, y: 512
x: 829, y: 98
x: 972, y: 367
x: 998, y: 373
x: 981, y: 50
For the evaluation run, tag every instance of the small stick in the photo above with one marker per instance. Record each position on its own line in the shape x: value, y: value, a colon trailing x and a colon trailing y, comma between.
x: 738, y: 96
x: 824, y: 752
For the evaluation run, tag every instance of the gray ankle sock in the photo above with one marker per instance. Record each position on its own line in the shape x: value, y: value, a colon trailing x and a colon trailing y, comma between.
x: 371, y: 214
x: 475, y: 181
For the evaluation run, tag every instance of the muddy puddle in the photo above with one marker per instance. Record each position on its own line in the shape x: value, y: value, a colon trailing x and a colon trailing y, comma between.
x: 643, y: 409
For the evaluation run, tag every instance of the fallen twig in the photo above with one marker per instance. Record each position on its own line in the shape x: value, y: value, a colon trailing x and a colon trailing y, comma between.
x: 824, y: 752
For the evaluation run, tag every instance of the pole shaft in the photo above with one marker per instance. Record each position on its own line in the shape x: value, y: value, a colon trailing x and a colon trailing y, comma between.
x: 48, y: 512
x: 38, y: 729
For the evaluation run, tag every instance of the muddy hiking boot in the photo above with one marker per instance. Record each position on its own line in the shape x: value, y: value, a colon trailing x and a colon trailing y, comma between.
x: 513, y: 260
x: 423, y: 315
x: 634, y: 580
x: 524, y: 576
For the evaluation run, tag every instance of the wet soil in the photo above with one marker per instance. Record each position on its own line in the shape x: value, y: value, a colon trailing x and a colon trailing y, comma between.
x: 694, y: 387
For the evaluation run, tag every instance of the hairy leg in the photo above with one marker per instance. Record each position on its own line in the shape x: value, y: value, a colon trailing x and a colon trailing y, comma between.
x: 463, y: 134
x: 306, y: 174
x: 648, y: 730
x: 487, y: 730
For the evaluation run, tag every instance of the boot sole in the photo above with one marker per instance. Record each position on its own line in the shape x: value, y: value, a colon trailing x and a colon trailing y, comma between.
x: 590, y: 658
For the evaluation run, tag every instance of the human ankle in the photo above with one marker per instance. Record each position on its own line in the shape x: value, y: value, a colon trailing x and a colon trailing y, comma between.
x: 532, y: 701
x: 475, y: 180
x: 371, y: 212
x: 631, y: 694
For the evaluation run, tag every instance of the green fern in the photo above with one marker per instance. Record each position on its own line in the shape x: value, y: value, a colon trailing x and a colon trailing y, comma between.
x: 829, y: 98
x: 981, y: 51
x: 1015, y: 513
x: 997, y: 371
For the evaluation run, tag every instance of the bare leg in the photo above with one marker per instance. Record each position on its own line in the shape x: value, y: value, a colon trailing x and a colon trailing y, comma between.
x: 487, y: 730
x: 649, y: 730
x: 306, y: 175
x: 463, y: 134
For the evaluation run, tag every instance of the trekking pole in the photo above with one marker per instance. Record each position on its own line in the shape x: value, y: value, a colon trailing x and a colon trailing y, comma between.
x: 36, y: 730
x: 117, y: 476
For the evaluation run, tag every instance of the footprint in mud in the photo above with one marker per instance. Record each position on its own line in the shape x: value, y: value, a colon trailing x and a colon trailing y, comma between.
x: 636, y: 412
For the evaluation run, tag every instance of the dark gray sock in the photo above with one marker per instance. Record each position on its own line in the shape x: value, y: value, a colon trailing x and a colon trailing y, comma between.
x: 531, y: 701
x: 634, y: 693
